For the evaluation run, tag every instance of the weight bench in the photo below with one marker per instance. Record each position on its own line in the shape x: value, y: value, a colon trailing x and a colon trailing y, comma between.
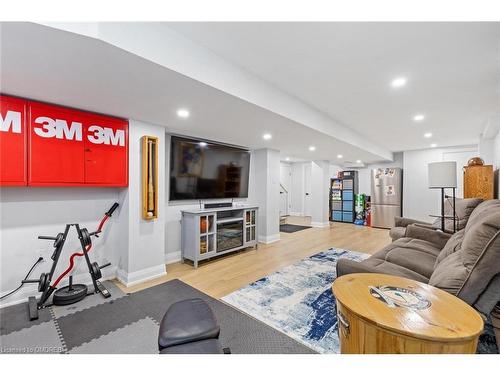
x: 189, y: 327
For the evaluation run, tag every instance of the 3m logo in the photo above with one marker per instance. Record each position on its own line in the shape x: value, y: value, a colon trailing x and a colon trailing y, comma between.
x: 11, y: 122
x: 58, y: 128
x: 100, y: 135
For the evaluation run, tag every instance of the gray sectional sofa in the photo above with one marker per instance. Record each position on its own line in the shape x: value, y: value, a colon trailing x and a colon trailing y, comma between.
x: 463, y: 210
x: 465, y: 264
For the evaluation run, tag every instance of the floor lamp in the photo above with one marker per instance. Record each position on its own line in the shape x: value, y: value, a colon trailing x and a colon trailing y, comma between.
x: 443, y: 175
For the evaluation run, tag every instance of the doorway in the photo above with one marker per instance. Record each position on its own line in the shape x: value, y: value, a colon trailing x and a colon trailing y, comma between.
x: 307, y: 189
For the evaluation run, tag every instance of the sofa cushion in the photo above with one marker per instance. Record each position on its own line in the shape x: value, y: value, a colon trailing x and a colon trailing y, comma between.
x: 485, y: 208
x: 416, y: 244
x: 451, y: 246
x: 376, y: 265
x: 416, y: 255
x: 466, y: 272
x: 397, y: 232
x: 421, y: 262
x: 383, y: 266
x: 450, y: 274
x: 463, y: 210
x: 436, y: 238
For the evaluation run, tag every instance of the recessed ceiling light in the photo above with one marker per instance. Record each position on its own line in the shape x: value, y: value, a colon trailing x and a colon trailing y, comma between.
x: 433, y: 145
x: 267, y: 136
x: 202, y: 144
x: 312, y: 148
x: 287, y: 159
x: 398, y: 82
x: 427, y: 135
x: 340, y: 156
x: 183, y: 113
x: 418, y: 118
x: 358, y: 161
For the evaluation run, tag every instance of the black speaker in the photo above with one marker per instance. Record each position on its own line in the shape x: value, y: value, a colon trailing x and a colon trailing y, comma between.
x: 218, y: 205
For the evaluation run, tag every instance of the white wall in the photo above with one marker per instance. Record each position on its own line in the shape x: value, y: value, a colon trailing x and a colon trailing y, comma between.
x: 307, y: 188
x: 286, y: 175
x: 26, y: 213
x: 334, y: 169
x: 486, y: 150
x: 297, y: 189
x: 364, y: 174
x: 142, y: 254
x: 320, y: 178
x: 418, y: 200
x: 286, y: 183
x: 266, y: 193
x: 301, y: 181
x: 300, y: 185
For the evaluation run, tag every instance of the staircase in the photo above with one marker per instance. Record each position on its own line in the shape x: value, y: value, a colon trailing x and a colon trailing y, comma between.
x: 283, y: 202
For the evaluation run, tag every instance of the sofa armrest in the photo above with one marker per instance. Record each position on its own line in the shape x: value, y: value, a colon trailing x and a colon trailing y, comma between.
x: 426, y: 226
x: 347, y: 266
x: 404, y: 222
x: 425, y: 233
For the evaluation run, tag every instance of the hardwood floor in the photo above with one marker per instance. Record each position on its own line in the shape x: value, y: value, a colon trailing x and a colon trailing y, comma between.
x: 221, y: 276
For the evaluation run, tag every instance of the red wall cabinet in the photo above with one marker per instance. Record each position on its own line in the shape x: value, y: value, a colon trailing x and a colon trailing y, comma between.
x: 72, y: 148
x: 66, y: 147
x: 55, y: 146
x: 13, y: 141
x: 106, y: 151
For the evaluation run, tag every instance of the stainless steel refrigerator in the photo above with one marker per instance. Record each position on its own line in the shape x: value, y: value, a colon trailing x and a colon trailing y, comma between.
x: 387, y: 196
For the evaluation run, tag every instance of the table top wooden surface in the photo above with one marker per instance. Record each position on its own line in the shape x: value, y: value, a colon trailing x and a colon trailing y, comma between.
x: 407, y: 307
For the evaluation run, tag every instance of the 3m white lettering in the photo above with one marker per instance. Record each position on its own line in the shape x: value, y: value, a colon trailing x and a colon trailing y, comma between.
x: 48, y: 128
x: 58, y: 128
x: 72, y: 132
x: 99, y: 135
x: 11, y: 121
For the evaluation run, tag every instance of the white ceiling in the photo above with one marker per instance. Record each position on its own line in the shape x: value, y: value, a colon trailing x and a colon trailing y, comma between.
x: 344, y: 70
x: 50, y: 65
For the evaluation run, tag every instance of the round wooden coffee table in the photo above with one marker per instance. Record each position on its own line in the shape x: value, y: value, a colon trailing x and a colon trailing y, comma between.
x: 388, y: 314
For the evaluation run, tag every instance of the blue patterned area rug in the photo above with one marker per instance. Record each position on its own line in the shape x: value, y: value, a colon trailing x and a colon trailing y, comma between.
x: 298, y: 301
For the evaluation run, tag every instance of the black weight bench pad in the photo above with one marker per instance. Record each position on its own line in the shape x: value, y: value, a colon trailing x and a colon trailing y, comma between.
x: 211, y: 346
x: 187, y: 321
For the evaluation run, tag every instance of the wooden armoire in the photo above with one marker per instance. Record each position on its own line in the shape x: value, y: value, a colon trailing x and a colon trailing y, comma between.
x: 478, y: 181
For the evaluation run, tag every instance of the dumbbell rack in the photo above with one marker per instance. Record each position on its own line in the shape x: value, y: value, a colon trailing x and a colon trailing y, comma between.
x: 46, y: 278
x: 44, y: 282
x: 73, y: 293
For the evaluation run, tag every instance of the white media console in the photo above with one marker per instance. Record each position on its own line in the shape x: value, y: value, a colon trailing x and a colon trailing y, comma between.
x: 211, y: 232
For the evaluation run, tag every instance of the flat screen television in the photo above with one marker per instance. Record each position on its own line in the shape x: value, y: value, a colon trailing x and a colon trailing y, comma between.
x: 201, y: 169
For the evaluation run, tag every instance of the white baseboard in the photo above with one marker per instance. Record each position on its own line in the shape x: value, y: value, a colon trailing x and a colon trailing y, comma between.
x: 318, y: 224
x: 269, y: 239
x: 137, y: 277
x: 29, y: 290
x: 174, y: 257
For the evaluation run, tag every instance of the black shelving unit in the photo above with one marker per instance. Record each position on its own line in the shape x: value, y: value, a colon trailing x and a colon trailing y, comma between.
x: 343, y: 190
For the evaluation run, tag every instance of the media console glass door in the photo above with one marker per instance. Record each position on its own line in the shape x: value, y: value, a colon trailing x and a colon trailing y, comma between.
x: 250, y: 225
x: 229, y: 235
x: 207, y: 234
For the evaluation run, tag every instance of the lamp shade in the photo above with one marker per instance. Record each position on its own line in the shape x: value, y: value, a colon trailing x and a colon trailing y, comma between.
x: 443, y: 174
